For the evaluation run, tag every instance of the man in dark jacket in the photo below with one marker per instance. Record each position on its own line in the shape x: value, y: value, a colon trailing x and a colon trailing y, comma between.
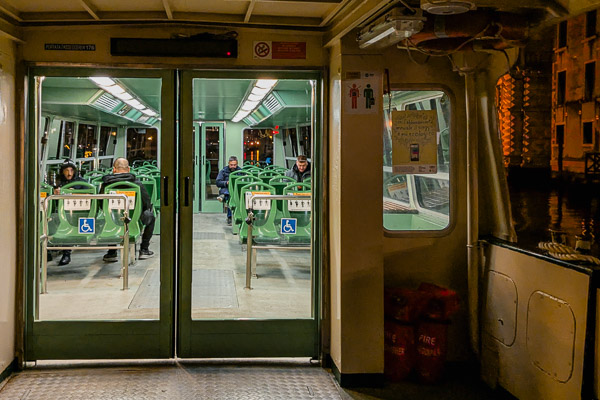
x: 68, y: 174
x: 223, y: 183
x: 300, y: 170
x: 121, y: 173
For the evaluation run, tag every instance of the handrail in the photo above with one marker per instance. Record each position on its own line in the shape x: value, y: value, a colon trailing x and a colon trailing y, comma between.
x: 250, y: 221
x: 44, y: 238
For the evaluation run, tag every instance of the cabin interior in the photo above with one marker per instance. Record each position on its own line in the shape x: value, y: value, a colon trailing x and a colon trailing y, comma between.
x: 375, y: 214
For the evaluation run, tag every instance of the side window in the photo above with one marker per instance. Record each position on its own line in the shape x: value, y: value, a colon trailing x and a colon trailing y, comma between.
x: 416, y: 161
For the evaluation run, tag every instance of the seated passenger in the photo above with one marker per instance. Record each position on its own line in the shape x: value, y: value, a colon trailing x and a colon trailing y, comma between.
x: 223, y: 183
x: 300, y: 170
x: 68, y: 174
x: 121, y: 174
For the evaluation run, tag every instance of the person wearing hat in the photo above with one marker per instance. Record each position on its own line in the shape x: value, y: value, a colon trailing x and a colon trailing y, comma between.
x: 300, y: 170
x: 68, y: 174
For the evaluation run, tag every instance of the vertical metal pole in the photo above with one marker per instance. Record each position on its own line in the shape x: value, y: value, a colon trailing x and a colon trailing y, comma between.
x: 249, y: 252
x: 125, y: 255
x: 126, y: 258
x: 254, y: 263
x: 44, y: 260
x: 473, y: 275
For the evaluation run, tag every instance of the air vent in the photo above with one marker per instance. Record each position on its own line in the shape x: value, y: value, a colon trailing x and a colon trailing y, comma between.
x: 249, y: 120
x: 446, y: 7
x: 272, y: 104
x: 107, y: 102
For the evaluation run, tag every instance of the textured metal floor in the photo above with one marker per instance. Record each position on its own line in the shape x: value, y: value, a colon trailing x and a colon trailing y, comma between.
x: 172, y: 382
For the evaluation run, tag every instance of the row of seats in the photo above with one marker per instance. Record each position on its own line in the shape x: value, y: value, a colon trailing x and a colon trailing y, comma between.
x: 267, y: 223
x: 109, y: 229
x: 148, y: 174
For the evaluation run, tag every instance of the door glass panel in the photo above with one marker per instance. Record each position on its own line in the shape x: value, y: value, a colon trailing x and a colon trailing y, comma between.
x: 416, y: 167
x: 281, y: 276
x: 212, y: 149
x: 258, y: 146
x: 82, y: 276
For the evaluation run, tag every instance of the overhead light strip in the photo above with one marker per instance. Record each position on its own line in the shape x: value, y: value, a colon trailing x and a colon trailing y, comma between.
x: 118, y: 91
x: 261, y: 88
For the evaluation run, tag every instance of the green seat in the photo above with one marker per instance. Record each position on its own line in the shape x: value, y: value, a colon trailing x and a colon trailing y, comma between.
x: 233, y: 176
x: 69, y: 212
x: 303, y: 223
x: 45, y: 191
x: 269, y: 167
x: 156, y: 176
x: 263, y: 231
x: 266, y: 176
x: 247, y: 164
x: 114, y: 227
x: 239, y: 209
x: 308, y: 180
x: 254, y: 171
x: 280, y: 182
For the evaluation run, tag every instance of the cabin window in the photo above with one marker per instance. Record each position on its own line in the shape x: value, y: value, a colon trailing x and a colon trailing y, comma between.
x: 108, y: 140
x: 66, y: 139
x: 416, y: 161
x: 290, y: 146
x: 590, y: 78
x: 588, y: 133
x: 86, y: 141
x: 142, y: 144
x: 304, y: 139
x: 590, y: 24
x: 562, y: 35
x: 258, y: 145
x: 561, y: 87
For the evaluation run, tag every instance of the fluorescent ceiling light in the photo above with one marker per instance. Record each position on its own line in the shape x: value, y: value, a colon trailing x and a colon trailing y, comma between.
x: 114, y: 89
x: 103, y: 81
x: 378, y: 37
x: 260, y: 91
x: 135, y: 104
x: 149, y: 112
x: 249, y: 105
x: 255, y: 97
x: 265, y: 83
x: 123, y: 96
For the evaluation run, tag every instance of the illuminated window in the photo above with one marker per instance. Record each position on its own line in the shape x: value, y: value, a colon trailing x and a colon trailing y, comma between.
x: 416, y: 163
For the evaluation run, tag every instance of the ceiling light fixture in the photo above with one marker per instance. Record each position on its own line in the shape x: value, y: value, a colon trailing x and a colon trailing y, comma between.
x: 261, y: 88
x: 120, y: 92
x: 398, y: 24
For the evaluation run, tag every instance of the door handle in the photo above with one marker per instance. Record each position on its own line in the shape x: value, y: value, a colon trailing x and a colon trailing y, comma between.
x: 166, y: 190
x: 187, y: 191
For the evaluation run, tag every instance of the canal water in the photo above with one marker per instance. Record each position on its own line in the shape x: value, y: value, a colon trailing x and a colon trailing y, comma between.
x: 538, y: 206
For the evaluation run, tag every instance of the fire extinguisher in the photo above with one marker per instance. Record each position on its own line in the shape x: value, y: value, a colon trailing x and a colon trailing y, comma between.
x: 399, y: 348
x: 432, y: 337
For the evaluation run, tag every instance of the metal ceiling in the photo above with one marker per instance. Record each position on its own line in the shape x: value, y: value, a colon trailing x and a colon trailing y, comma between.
x: 334, y: 18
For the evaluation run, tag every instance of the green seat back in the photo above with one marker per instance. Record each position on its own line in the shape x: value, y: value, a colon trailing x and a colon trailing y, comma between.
x: 303, y: 218
x: 69, y: 212
x: 114, y: 227
x: 266, y: 176
x: 238, y: 206
x: 264, y: 230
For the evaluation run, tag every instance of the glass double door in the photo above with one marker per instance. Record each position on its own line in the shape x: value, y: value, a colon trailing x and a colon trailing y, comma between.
x: 178, y: 289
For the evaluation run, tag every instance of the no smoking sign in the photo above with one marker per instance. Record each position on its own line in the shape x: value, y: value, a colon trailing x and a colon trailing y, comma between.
x: 262, y: 50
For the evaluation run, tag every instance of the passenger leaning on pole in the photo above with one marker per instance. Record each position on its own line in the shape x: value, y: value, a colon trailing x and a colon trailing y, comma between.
x: 300, y: 170
x: 121, y: 173
x: 223, y: 183
x: 68, y: 174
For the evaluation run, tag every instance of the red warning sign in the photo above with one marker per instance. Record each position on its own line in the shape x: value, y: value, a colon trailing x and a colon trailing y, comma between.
x: 279, y: 50
x: 289, y: 50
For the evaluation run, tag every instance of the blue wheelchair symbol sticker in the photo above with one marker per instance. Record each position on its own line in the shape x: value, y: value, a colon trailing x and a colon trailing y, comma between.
x: 288, y: 226
x: 87, y: 226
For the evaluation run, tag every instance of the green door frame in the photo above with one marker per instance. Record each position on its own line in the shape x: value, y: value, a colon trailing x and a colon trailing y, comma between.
x: 244, y: 338
x: 111, y: 339
x: 211, y: 206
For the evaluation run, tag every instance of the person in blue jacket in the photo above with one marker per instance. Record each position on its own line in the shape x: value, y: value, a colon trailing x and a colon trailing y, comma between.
x: 223, y: 183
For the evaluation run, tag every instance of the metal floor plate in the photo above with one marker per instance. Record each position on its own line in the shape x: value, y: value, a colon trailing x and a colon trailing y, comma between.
x: 174, y: 382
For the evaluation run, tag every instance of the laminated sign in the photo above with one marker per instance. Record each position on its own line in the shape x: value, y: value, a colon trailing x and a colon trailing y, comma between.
x: 118, y: 204
x: 414, y: 142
